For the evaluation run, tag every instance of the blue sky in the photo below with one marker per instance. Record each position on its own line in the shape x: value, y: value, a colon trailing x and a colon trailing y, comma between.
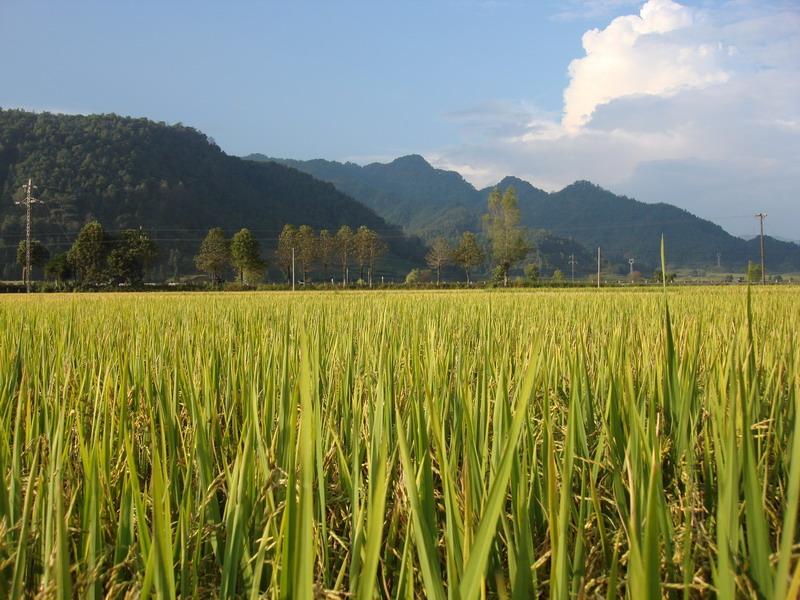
x: 699, y: 106
x: 302, y: 79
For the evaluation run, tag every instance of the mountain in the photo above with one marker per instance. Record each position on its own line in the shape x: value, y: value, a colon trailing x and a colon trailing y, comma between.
x: 426, y: 201
x: 751, y: 236
x: 170, y: 180
x: 407, y: 191
x: 626, y: 228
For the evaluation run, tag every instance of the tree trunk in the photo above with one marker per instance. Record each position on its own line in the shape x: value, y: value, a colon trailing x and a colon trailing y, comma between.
x: 466, y: 270
x: 438, y: 273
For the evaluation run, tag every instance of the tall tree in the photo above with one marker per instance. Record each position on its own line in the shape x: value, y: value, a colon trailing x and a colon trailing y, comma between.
x: 362, y: 241
x: 326, y: 248
x: 438, y: 256
x: 287, y: 247
x: 39, y: 256
x: 367, y: 247
x: 468, y: 254
x: 58, y: 268
x: 246, y: 256
x: 344, y: 250
x: 130, y: 255
x: 214, y: 255
x: 87, y: 256
x: 306, y: 249
x: 502, y: 227
x: 377, y: 249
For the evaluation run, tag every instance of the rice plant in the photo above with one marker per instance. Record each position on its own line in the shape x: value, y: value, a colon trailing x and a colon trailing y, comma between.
x: 556, y: 443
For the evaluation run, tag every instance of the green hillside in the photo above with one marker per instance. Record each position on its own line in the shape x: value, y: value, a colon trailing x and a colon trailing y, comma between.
x: 626, y: 228
x: 171, y: 180
x: 407, y: 191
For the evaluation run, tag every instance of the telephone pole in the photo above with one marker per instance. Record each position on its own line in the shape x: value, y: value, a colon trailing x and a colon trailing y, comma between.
x: 761, y: 216
x: 719, y: 260
x: 630, y: 262
x: 292, y: 268
x: 598, y: 267
x: 27, y: 203
x: 572, y: 263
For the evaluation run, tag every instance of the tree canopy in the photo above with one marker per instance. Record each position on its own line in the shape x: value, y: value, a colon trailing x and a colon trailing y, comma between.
x: 468, y: 254
x: 438, y: 256
x: 214, y: 256
x: 507, y: 238
x: 88, y: 253
x: 246, y: 256
x: 39, y: 254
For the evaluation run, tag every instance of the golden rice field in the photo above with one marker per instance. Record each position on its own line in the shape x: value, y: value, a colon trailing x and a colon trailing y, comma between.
x: 561, y: 444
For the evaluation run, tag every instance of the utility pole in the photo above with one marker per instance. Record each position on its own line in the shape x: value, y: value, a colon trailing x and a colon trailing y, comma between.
x: 719, y: 260
x: 598, y: 267
x: 27, y: 203
x: 761, y: 216
x: 572, y: 263
x: 292, y: 268
x: 371, y: 263
x: 630, y: 262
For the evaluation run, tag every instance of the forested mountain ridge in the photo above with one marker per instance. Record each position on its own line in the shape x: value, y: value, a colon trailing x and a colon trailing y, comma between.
x: 443, y: 203
x: 407, y: 191
x: 627, y: 228
x: 169, y: 179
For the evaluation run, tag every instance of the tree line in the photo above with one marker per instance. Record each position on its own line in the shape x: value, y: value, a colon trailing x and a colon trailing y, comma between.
x: 301, y: 253
x: 305, y: 253
x: 508, y: 243
x: 97, y: 257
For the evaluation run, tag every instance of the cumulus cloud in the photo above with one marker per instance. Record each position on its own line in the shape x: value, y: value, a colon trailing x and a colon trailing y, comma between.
x: 646, y: 53
x: 697, y: 108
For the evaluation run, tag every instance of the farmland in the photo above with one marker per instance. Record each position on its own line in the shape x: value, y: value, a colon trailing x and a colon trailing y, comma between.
x: 555, y: 443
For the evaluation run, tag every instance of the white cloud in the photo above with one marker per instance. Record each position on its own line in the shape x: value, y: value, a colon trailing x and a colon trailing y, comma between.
x: 639, y: 54
x: 700, y: 109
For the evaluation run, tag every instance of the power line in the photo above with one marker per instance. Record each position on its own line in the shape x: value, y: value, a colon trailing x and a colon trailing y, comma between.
x: 598, y: 267
x: 27, y: 203
x: 572, y: 263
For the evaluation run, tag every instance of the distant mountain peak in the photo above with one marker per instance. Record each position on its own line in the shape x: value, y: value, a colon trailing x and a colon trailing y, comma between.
x: 512, y: 179
x: 404, y: 164
x: 517, y: 184
x: 415, y: 160
x: 584, y: 184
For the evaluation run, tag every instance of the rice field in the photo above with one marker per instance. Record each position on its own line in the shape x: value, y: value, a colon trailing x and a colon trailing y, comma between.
x: 555, y: 443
